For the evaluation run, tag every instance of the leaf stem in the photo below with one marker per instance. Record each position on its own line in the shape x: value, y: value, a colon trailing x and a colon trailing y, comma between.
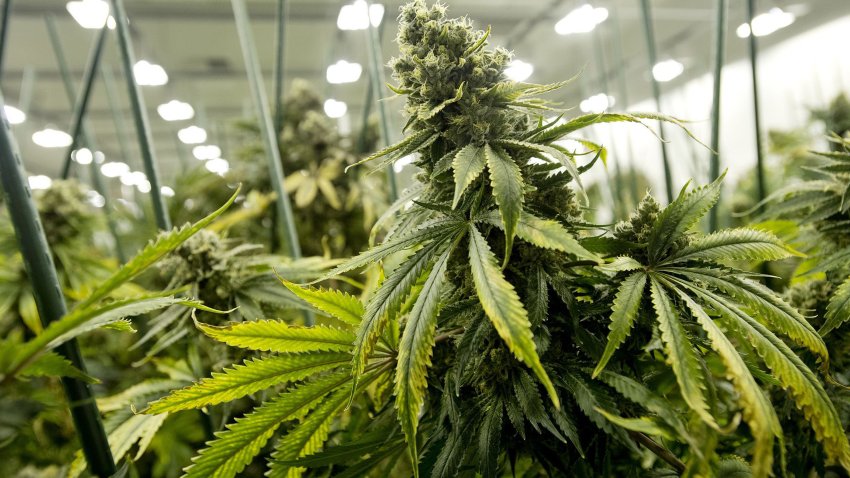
x: 658, y: 450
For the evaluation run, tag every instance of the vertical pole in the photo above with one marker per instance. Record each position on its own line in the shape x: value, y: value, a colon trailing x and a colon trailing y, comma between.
x: 83, y: 98
x: 282, y: 6
x: 87, y: 137
x: 252, y: 66
x: 49, y: 300
x: 117, y: 118
x: 140, y: 114
x: 656, y: 93
x: 719, y: 59
x: 378, y: 80
x: 762, y: 186
x: 623, y: 92
x: 364, y: 120
x: 599, y: 53
x: 4, y: 30
x: 27, y: 84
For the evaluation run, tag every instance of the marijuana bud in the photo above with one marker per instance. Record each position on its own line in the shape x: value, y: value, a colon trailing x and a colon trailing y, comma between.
x: 65, y: 211
x: 205, y: 259
x: 639, y: 224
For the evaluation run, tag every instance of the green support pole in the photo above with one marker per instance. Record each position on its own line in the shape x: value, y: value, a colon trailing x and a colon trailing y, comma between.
x: 719, y: 59
x: 4, y: 30
x: 140, y: 114
x: 378, y: 80
x: 87, y: 137
x: 599, y: 53
x: 81, y: 105
x: 282, y: 7
x: 656, y: 93
x: 117, y: 118
x: 364, y: 120
x: 252, y: 66
x: 49, y: 300
x: 622, y: 86
x: 762, y: 184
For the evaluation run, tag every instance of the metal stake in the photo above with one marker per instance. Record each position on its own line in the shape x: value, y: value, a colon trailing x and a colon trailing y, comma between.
x: 49, y: 300
x: 762, y: 184
x: 4, y: 30
x: 656, y: 93
x: 282, y: 7
x: 140, y: 114
x: 719, y: 59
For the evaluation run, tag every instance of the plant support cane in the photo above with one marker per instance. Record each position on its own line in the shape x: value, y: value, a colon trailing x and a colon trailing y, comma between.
x: 719, y: 58
x: 49, y: 300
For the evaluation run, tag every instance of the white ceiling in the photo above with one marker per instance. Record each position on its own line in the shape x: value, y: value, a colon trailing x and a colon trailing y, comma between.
x: 196, y: 42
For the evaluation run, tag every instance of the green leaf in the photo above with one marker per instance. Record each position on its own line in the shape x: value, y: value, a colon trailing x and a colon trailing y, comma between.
x: 425, y: 113
x: 555, y: 153
x: 387, y: 300
x: 136, y: 429
x: 792, y: 372
x: 504, y: 309
x: 414, y: 354
x: 403, y: 147
x: 681, y: 215
x: 838, y: 309
x: 52, y: 364
x: 468, y: 164
x: 620, y: 264
x: 254, y: 375
x: 646, y: 425
x: 734, y: 244
x: 624, y: 311
x: 681, y: 353
x: 506, y: 179
x: 545, y: 233
x: 278, y: 336
x: 234, y: 448
x: 758, y: 411
x: 335, y: 303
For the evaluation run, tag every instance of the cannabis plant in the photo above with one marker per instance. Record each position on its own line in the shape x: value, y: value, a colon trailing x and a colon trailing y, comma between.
x: 499, y: 337
x: 329, y: 205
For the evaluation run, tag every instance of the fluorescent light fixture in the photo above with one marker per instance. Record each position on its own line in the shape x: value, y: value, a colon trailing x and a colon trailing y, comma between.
x: 667, y: 70
x: 39, y: 181
x: 133, y: 178
x: 91, y: 14
x: 175, y: 110
x: 335, y: 109
x: 99, y: 157
x: 83, y: 156
x: 14, y: 115
x: 206, y: 151
x: 167, y: 191
x: 519, y: 70
x: 581, y: 20
x: 192, y: 135
x: 149, y: 74
x: 144, y: 186
x: 766, y: 23
x: 114, y: 169
x: 344, y: 72
x: 399, y: 165
x: 597, y: 103
x: 95, y: 199
x: 359, y: 15
x: 217, y: 165
x: 51, y: 138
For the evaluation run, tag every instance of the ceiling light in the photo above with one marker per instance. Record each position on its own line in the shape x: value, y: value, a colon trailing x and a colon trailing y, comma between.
x: 83, y: 156
x: 95, y: 198
x: 206, y: 151
x: 217, y: 165
x: 399, y: 165
x: 144, y: 186
x: 581, y: 20
x: 667, y: 70
x: 91, y: 13
x: 175, y: 110
x: 344, y: 72
x: 766, y: 23
x: 597, y: 103
x: 133, y: 178
x: 114, y: 169
x: 355, y: 16
x: 167, y: 191
x: 39, y: 182
x: 14, y: 115
x: 51, y: 138
x: 335, y: 109
x: 149, y: 74
x: 192, y: 135
x: 99, y: 157
x: 519, y: 70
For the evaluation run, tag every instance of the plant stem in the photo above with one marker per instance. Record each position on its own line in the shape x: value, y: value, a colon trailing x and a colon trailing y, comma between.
x: 719, y: 58
x: 656, y: 93
x: 49, y: 300
x: 140, y: 113
x: 658, y: 450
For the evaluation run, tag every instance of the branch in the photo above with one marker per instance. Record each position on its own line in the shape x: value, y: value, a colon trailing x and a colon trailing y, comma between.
x: 659, y: 451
